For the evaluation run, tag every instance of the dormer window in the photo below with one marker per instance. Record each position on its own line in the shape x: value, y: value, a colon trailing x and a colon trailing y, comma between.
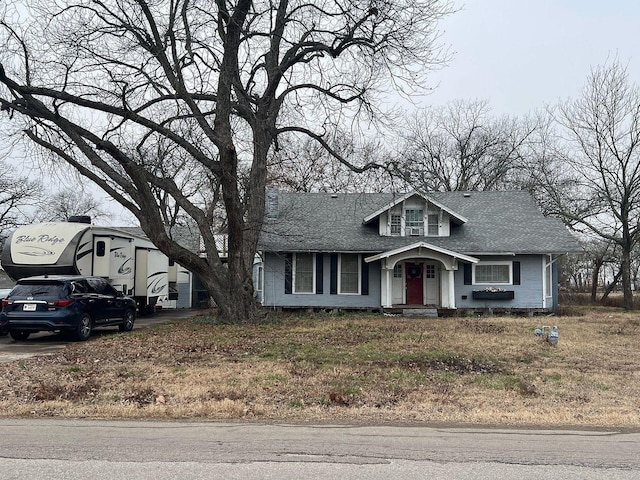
x: 395, y: 224
x: 433, y: 224
x: 414, y: 215
x: 414, y: 222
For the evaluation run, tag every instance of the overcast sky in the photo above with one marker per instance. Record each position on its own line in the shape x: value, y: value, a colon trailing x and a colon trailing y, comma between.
x: 522, y: 54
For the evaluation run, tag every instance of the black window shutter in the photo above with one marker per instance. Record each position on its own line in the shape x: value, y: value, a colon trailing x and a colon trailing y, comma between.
x: 364, y: 286
x: 516, y: 273
x: 319, y: 273
x: 288, y: 272
x: 468, y: 277
x: 333, y: 284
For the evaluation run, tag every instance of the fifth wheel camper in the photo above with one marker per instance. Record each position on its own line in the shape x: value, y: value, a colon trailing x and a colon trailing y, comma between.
x: 130, y: 263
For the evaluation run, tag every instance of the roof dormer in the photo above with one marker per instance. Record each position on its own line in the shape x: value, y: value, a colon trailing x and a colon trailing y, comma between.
x: 415, y: 215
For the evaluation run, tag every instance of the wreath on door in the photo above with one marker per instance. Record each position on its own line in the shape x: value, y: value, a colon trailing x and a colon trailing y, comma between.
x: 414, y: 271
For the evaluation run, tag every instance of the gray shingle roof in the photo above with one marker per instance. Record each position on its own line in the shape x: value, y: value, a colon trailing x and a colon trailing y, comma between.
x: 498, y: 222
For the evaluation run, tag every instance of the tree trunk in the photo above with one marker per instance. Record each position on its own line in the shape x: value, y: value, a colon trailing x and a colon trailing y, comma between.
x: 611, y: 286
x: 626, y: 277
x: 594, y: 280
x: 238, y: 305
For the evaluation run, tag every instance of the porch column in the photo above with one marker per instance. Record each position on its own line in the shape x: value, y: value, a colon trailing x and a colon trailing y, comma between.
x: 385, y: 290
x: 448, y: 290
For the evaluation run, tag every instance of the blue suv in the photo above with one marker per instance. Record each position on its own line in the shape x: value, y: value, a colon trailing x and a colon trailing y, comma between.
x: 73, y: 304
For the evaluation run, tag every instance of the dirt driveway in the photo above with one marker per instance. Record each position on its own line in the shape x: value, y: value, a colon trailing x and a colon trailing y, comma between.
x: 43, y: 343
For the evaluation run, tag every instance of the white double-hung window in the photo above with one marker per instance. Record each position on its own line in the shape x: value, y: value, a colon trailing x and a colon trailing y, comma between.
x: 303, y: 273
x: 395, y: 224
x: 498, y: 273
x: 433, y: 224
x: 414, y: 219
x: 349, y: 274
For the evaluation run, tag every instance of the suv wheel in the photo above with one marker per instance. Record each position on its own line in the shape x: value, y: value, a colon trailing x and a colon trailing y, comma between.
x: 83, y: 329
x: 19, y: 334
x: 127, y: 322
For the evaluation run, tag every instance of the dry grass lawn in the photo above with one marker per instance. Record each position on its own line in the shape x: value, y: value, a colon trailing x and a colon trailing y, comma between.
x: 353, y: 368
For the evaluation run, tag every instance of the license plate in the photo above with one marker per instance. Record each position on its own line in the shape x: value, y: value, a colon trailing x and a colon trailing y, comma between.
x: 29, y: 307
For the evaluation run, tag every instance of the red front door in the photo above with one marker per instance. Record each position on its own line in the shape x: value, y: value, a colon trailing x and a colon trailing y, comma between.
x: 414, y: 283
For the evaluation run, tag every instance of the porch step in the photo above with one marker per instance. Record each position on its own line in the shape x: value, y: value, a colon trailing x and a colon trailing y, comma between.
x: 420, y: 312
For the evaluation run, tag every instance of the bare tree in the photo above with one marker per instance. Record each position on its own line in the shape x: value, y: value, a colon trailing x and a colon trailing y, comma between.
x: 600, y: 253
x: 302, y: 165
x: 462, y: 147
x: 17, y: 194
x: 601, y: 164
x: 543, y: 172
x: 100, y: 83
x: 69, y: 202
x: 575, y: 269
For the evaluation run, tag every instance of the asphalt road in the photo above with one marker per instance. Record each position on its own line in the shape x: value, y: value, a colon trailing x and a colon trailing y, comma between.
x: 42, y: 343
x: 77, y: 449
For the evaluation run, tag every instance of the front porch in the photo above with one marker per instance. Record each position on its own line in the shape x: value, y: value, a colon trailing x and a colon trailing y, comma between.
x: 419, y: 277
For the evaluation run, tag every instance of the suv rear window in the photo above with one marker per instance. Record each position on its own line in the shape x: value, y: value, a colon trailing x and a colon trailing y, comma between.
x: 56, y: 290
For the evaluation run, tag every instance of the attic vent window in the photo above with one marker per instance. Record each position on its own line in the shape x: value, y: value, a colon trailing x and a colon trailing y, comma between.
x: 466, y: 195
x: 334, y: 195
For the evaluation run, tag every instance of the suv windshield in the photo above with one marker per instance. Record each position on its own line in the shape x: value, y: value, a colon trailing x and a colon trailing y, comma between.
x: 56, y: 290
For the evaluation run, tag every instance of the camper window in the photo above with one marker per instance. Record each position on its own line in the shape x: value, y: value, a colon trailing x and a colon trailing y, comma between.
x: 101, y: 248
